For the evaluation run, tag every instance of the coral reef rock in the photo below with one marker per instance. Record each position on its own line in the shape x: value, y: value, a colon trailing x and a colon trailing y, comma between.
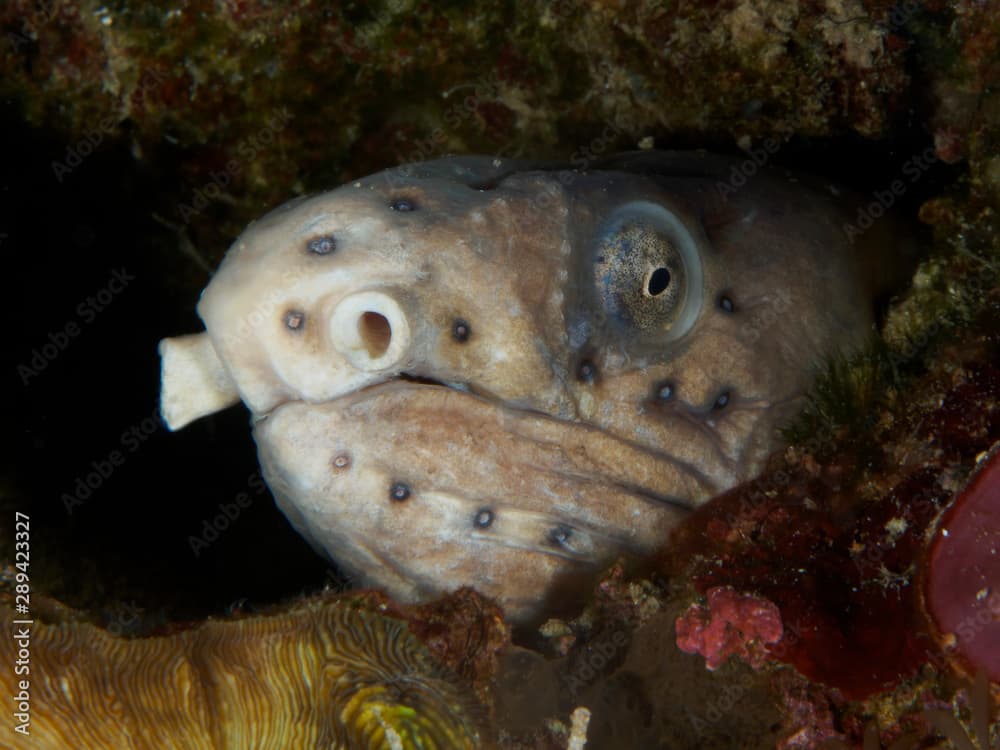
x: 319, y: 675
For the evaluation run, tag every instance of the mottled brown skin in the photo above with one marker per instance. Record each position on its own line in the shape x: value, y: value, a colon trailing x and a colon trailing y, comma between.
x: 485, y: 495
x: 571, y: 403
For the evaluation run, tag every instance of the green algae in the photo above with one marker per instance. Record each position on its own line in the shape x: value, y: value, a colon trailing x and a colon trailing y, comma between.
x: 844, y: 397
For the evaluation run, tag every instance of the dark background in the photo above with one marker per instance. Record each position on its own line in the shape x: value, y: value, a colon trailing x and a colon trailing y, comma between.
x: 130, y: 540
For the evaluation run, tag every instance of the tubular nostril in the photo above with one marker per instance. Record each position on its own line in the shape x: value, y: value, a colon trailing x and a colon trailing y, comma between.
x: 375, y: 332
x: 370, y: 330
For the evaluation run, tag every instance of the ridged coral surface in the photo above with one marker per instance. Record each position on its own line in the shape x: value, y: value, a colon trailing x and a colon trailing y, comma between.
x: 321, y: 675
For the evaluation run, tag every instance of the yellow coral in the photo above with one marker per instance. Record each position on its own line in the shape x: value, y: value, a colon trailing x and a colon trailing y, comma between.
x: 321, y: 675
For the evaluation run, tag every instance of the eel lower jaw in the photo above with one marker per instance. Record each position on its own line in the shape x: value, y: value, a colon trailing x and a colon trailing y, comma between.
x: 590, y: 450
x: 486, y: 488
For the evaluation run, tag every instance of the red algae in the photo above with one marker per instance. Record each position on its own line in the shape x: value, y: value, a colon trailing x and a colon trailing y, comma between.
x: 731, y: 624
x: 840, y: 627
x: 834, y: 544
x: 963, y: 571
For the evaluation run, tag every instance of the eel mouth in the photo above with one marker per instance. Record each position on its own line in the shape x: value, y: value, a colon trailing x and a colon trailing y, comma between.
x: 421, y: 380
x: 415, y: 487
x: 699, y: 487
x: 425, y: 417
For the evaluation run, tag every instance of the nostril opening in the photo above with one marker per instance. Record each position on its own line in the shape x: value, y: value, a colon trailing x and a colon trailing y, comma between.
x: 375, y: 332
x: 369, y: 330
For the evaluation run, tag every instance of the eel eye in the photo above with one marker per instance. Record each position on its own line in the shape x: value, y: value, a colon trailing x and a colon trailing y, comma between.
x: 648, y: 270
